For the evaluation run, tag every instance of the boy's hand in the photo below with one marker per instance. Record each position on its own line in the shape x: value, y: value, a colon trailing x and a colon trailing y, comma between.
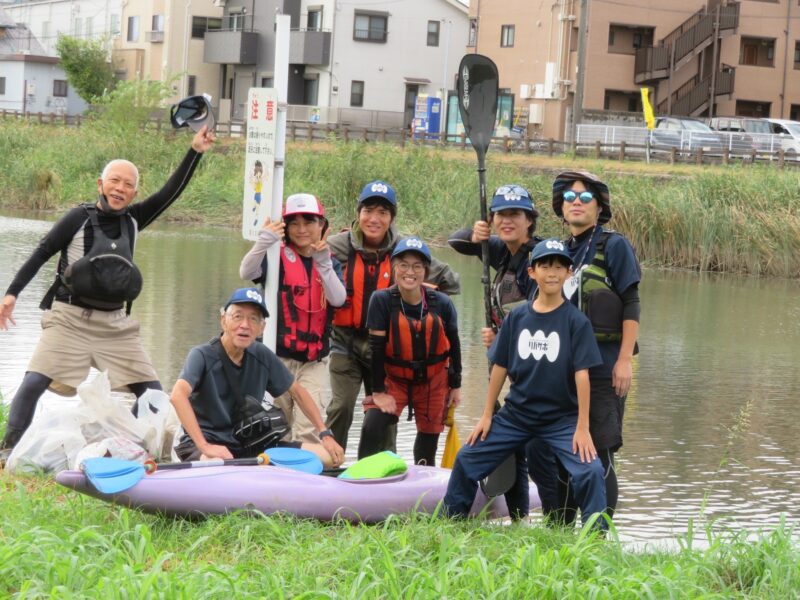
x: 487, y: 336
x: 481, y: 429
x: 215, y: 451
x: 583, y: 445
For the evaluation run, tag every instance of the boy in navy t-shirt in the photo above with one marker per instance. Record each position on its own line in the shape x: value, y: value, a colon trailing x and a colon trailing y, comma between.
x: 546, y: 349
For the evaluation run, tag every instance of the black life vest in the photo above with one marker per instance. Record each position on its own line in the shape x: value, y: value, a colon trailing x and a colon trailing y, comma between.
x: 506, y: 293
x: 105, y: 277
x: 416, y: 349
x: 597, y: 297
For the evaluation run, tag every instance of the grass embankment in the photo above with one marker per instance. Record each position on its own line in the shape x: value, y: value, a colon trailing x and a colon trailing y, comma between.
x: 724, y: 218
x: 54, y: 543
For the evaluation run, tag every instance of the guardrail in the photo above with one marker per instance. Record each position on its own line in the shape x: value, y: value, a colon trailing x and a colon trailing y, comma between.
x: 594, y: 141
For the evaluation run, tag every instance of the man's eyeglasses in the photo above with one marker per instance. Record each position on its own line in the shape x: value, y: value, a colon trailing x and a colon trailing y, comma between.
x: 254, y: 320
x: 405, y: 267
x: 585, y: 197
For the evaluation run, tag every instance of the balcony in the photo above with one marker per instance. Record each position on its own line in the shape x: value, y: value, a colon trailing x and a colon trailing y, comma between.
x: 310, y: 47
x: 234, y: 43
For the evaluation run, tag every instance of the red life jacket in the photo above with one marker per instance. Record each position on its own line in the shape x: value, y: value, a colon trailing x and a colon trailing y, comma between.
x: 416, y: 349
x: 303, y: 314
x: 362, y: 275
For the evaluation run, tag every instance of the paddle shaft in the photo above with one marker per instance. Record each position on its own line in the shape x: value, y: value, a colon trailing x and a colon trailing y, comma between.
x: 214, y: 462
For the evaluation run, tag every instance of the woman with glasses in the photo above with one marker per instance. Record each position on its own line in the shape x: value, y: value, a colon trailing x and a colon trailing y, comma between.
x: 604, y: 285
x: 513, y: 217
x: 416, y: 355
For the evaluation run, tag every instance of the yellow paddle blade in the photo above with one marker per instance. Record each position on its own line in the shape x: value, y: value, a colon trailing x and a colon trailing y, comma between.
x: 451, y: 447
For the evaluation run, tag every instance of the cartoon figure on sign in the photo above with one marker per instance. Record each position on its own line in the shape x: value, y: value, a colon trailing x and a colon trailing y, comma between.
x: 257, y: 181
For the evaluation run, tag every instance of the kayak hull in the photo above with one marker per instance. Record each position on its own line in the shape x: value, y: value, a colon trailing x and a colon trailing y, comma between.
x: 270, y: 489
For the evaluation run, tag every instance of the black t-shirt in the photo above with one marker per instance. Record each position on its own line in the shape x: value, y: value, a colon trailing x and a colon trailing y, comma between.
x: 213, y: 400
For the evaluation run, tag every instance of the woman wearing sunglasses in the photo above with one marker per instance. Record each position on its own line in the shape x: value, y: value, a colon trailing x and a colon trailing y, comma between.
x: 604, y: 285
x: 514, y: 220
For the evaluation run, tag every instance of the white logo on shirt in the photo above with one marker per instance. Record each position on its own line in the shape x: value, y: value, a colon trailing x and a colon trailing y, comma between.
x: 538, y: 345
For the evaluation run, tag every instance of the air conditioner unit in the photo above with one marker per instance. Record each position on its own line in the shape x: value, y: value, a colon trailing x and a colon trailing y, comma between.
x: 538, y: 91
x: 535, y: 114
x: 525, y: 91
x: 220, y: 3
x: 31, y: 90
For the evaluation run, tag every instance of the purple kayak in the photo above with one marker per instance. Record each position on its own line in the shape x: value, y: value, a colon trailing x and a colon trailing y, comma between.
x: 270, y: 489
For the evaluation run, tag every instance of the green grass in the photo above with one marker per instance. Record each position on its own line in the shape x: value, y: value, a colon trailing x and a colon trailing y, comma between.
x: 731, y: 218
x: 54, y: 543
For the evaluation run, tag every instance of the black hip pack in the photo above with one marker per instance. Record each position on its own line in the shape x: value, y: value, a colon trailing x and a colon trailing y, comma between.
x: 106, y: 276
x: 255, y: 426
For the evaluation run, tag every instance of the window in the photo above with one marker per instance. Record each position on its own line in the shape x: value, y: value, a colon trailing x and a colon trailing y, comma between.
x: 2, y: 86
x: 356, y: 93
x: 202, y: 24
x: 370, y: 27
x: 267, y: 82
x: 797, y: 55
x: 507, y: 36
x: 757, y: 52
x: 114, y: 24
x: 60, y: 88
x: 191, y: 85
x: 157, y: 23
x: 627, y: 39
x: 611, y: 35
x: 310, y: 90
x: 314, y: 21
x: 473, y: 33
x: 637, y: 40
x: 433, y: 33
x: 133, y: 29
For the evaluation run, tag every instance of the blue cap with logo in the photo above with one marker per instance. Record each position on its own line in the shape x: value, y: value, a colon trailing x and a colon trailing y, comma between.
x: 379, y: 190
x: 248, y: 296
x: 413, y: 244
x: 512, y: 196
x: 550, y: 247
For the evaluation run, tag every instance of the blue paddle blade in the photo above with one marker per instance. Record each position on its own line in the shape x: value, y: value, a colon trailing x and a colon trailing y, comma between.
x: 112, y: 475
x: 296, y: 459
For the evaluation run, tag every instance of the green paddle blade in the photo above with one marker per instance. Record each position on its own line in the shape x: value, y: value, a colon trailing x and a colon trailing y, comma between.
x: 112, y: 475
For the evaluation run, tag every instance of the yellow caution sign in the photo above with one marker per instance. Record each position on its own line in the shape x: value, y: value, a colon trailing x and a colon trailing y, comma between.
x: 649, y: 117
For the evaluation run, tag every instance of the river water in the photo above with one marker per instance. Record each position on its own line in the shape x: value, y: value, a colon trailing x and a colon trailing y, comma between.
x: 711, y: 425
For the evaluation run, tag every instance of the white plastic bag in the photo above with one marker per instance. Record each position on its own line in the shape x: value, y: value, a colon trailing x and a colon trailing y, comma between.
x: 55, y: 437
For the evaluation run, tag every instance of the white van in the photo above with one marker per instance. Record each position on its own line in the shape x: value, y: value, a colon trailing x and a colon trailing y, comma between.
x: 789, y: 132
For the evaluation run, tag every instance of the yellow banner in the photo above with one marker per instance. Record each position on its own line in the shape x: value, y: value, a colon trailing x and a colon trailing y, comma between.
x: 649, y: 117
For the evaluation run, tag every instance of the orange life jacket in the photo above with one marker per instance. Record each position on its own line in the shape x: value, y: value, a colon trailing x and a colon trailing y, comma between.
x: 362, y: 275
x: 417, y: 349
x: 303, y: 315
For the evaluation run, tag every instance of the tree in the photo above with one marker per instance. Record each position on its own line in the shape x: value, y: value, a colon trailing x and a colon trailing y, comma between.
x: 87, y: 66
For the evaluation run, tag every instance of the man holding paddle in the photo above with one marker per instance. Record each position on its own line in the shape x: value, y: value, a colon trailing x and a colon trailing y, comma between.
x: 86, y: 322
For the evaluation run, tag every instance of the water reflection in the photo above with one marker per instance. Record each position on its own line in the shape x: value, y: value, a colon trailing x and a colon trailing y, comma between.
x: 710, y: 425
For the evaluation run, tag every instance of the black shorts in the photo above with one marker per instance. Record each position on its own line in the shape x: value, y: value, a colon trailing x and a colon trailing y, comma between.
x: 606, y: 410
x: 188, y: 451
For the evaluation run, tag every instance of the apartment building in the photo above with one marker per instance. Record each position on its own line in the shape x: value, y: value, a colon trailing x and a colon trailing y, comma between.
x: 164, y: 40
x: 85, y: 19
x: 372, y: 57
x: 31, y: 81
x: 698, y: 57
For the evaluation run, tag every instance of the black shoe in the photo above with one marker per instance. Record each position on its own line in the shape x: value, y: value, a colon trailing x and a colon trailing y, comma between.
x: 10, y: 440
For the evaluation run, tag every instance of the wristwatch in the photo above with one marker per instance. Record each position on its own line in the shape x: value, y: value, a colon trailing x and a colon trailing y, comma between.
x: 325, y: 433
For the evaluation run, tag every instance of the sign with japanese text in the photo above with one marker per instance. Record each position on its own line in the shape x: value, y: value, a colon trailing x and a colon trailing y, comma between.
x: 259, y: 162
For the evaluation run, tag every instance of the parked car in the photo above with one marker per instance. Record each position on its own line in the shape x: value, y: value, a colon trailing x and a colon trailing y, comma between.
x: 685, y: 134
x: 743, y: 134
x: 789, y: 132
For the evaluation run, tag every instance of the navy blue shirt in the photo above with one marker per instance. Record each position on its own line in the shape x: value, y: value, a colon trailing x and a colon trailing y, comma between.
x: 623, y: 271
x: 542, y: 352
x: 213, y: 400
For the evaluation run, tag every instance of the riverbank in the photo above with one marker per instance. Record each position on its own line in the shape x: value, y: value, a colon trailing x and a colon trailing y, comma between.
x: 734, y: 218
x: 56, y: 543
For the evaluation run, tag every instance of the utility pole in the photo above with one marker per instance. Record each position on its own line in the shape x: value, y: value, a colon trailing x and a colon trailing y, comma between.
x: 577, y: 104
x: 712, y: 91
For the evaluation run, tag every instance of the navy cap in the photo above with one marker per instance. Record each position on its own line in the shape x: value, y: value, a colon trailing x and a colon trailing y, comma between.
x: 512, y: 196
x: 550, y: 247
x: 412, y: 244
x: 248, y: 296
x: 380, y: 190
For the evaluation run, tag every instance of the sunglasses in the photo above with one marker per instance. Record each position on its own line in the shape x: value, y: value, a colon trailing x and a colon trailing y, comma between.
x: 585, y: 197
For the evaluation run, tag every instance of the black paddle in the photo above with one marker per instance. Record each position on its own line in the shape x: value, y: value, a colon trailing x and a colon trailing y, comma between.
x: 477, y: 89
